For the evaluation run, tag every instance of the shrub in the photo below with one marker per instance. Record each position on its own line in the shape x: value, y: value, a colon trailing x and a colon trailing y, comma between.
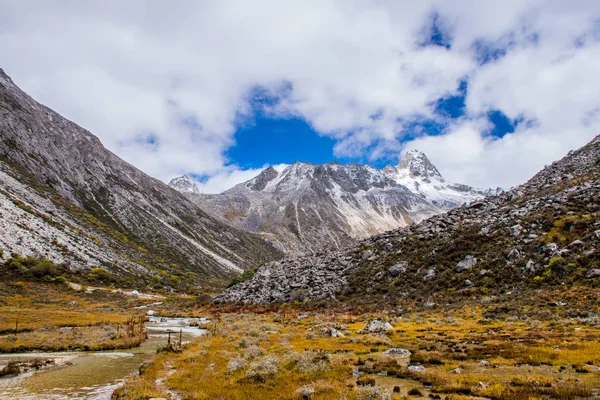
x: 372, y: 393
x: 365, y: 381
x: 263, y: 369
x: 44, y: 268
x: 253, y: 351
x: 12, y: 368
x: 235, y: 364
x: 246, y: 275
x: 306, y: 392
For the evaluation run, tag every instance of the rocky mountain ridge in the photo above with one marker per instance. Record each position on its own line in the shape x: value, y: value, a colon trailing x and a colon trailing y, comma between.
x: 307, y: 207
x: 545, y: 232
x: 66, y: 198
x: 184, y: 184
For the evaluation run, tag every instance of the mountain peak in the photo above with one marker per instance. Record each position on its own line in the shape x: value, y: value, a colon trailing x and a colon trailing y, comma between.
x: 261, y: 181
x: 184, y: 184
x: 418, y: 165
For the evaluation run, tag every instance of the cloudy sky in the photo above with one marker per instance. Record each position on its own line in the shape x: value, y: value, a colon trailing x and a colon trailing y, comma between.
x: 490, y: 90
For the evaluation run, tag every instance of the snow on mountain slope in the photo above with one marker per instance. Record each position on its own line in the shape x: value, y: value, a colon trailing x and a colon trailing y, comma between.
x: 421, y: 177
x: 307, y: 207
x: 184, y: 184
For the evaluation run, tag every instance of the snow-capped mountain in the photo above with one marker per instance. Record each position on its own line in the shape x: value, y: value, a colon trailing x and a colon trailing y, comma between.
x: 184, y: 184
x: 421, y: 177
x: 306, y: 208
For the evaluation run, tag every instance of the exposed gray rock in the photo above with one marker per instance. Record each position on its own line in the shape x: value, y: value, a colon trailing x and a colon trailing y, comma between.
x: 417, y: 368
x: 551, y: 248
x: 377, y: 326
x: 307, y: 208
x: 398, y: 269
x: 513, y: 255
x: 466, y: 264
x: 398, y: 351
x: 530, y: 267
x: 593, y: 273
x: 516, y: 230
x: 538, y: 200
x: 576, y: 243
x: 430, y: 274
x: 67, y: 198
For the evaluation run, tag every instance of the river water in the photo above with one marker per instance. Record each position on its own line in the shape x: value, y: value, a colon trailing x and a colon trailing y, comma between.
x: 90, y: 375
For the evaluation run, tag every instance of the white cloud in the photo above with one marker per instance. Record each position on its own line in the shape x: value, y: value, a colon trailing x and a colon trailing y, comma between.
x: 132, y: 71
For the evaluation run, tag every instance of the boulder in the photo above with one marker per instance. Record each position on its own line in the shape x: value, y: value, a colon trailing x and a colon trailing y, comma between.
x: 551, y: 248
x: 377, y: 326
x: 398, y: 351
x: 593, y: 273
x: 466, y: 264
x: 576, y: 244
x: 530, y: 267
x: 513, y: 255
x: 430, y: 274
x: 516, y: 230
x: 417, y: 368
x: 398, y: 269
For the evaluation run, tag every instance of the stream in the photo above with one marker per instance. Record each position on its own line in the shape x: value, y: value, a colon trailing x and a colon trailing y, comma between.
x: 90, y: 375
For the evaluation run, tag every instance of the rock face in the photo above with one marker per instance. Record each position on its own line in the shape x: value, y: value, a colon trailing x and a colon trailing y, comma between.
x: 470, y: 247
x: 184, y: 184
x: 307, y: 208
x: 65, y: 197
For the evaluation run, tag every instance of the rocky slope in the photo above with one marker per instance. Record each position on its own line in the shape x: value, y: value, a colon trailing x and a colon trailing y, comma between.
x: 543, y: 233
x: 65, y: 197
x: 306, y: 207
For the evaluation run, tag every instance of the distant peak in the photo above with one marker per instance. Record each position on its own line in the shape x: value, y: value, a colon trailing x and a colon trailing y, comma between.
x: 417, y: 163
x: 184, y: 184
x: 261, y: 181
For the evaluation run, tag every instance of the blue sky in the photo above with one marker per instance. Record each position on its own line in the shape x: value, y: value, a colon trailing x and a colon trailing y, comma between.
x: 264, y: 139
x: 490, y: 91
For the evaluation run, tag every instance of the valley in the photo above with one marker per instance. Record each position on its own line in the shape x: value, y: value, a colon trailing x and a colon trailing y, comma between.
x: 323, y: 281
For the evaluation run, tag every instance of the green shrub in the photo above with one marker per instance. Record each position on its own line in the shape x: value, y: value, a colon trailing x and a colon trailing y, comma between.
x: 99, y: 274
x: 44, y: 268
x: 246, y: 275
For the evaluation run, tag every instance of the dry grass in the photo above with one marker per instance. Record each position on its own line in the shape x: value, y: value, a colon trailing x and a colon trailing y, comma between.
x: 86, y: 338
x: 54, y: 318
x: 259, y: 356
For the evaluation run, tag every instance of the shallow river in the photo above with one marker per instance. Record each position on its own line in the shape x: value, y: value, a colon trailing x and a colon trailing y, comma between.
x: 89, y: 375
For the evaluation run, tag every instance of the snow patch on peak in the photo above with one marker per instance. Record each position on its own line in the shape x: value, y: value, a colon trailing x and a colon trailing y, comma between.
x: 416, y: 164
x: 184, y: 184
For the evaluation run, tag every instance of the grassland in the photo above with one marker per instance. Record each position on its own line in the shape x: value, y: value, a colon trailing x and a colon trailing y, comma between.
x: 53, y: 317
x: 291, y: 354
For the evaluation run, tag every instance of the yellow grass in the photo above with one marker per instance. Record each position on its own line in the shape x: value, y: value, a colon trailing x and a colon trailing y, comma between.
x: 312, y: 365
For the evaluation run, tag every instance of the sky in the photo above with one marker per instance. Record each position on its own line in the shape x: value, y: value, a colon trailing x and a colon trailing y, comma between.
x: 490, y: 90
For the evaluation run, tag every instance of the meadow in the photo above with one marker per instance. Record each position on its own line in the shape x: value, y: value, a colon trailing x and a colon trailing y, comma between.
x: 325, y: 354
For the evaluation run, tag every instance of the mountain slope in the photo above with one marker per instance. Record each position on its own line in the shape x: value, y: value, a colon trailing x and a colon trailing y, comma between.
x: 306, y: 207
x: 67, y: 198
x: 543, y: 233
